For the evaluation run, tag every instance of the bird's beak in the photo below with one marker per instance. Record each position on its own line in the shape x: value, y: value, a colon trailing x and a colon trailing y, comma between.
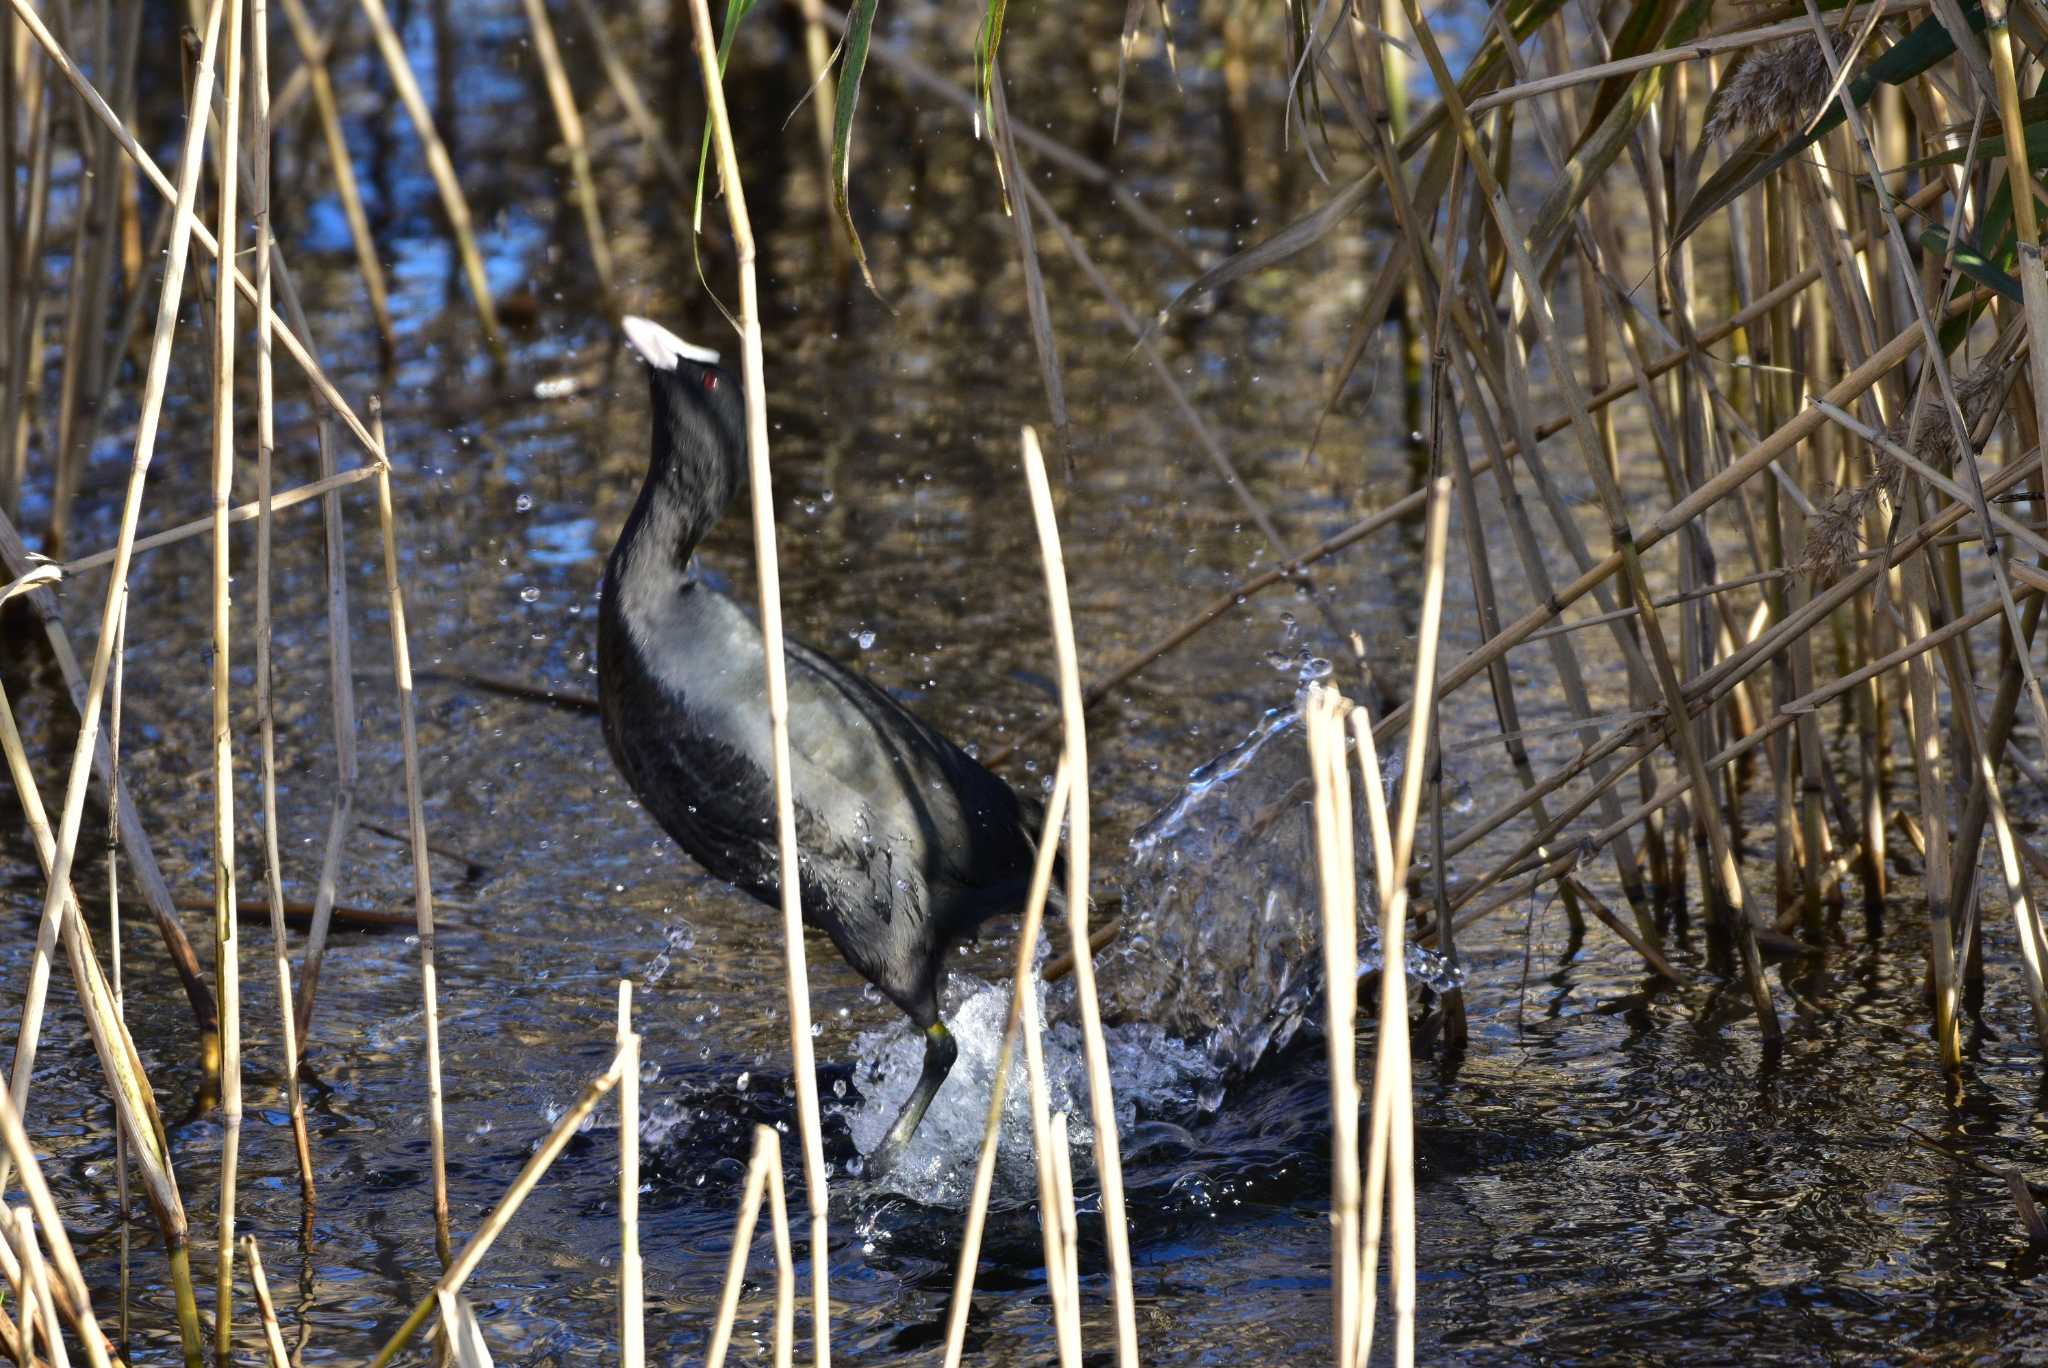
x: 662, y: 349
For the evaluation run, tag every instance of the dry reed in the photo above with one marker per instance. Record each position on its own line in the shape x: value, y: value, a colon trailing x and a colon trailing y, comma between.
x: 1816, y: 585
x: 752, y: 374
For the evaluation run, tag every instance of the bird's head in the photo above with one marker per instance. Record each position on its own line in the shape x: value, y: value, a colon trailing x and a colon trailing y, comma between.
x: 700, y: 428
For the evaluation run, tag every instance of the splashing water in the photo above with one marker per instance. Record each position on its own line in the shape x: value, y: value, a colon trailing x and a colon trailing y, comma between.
x: 1150, y: 1073
x: 1218, y: 965
x: 1222, y: 920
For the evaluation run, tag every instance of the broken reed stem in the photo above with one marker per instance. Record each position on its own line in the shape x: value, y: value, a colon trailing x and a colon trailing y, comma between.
x: 764, y: 1177
x: 1023, y: 991
x: 227, y: 945
x: 761, y: 485
x: 422, y: 870
x: 453, y: 202
x: 273, y: 1336
x: 1101, y: 1100
x: 459, y: 1269
x: 266, y: 445
x: 632, y: 1295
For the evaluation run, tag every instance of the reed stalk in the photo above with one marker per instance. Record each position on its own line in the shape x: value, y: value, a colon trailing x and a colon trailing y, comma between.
x: 35, y: 1286
x: 764, y: 1174
x: 422, y: 870
x: 453, y: 202
x: 556, y: 78
x: 266, y: 444
x: 227, y: 946
x: 46, y: 1214
x: 459, y: 1269
x: 313, y: 61
x: 632, y: 1291
x: 1023, y: 997
x: 1335, y: 834
x: 182, y: 222
x: 1101, y: 1099
x: 119, y: 993
x: 259, y: 1287
x: 760, y: 482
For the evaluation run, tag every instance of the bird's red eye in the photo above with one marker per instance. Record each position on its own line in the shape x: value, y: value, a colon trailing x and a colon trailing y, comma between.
x: 711, y: 380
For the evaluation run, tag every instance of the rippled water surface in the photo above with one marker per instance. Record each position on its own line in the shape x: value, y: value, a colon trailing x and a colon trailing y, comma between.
x: 1609, y: 1175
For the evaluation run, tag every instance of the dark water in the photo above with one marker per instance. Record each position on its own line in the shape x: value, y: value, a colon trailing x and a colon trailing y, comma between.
x: 1608, y: 1176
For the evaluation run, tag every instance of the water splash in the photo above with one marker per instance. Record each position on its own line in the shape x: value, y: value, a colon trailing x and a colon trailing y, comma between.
x: 1222, y: 920
x: 1150, y: 1073
x: 1219, y: 965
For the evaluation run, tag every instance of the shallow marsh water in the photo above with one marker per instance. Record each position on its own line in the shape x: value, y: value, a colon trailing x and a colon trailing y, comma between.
x: 1608, y: 1176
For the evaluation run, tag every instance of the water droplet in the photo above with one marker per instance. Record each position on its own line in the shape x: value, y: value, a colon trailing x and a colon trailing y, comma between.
x: 866, y: 638
x: 530, y: 594
x: 741, y: 1083
x: 524, y: 503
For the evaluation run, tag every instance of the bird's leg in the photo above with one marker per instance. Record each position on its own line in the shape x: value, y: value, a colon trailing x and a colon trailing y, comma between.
x: 939, y: 1053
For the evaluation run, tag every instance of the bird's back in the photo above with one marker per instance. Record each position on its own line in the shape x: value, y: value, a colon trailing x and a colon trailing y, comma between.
x: 907, y: 843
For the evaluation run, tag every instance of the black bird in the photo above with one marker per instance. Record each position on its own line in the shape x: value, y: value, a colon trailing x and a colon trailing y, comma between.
x: 906, y: 844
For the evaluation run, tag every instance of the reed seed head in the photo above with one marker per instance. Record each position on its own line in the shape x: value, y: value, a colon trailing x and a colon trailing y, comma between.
x: 1777, y: 89
x: 1836, y: 530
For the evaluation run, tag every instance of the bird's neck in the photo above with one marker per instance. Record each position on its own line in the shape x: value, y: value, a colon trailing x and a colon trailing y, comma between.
x: 687, y: 490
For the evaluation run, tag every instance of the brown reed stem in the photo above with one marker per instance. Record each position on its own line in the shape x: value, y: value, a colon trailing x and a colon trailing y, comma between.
x: 313, y: 60
x: 1042, y: 339
x: 453, y: 202
x: 184, y: 224
x: 571, y: 123
x: 422, y: 872
x: 259, y: 1285
x: 266, y: 443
